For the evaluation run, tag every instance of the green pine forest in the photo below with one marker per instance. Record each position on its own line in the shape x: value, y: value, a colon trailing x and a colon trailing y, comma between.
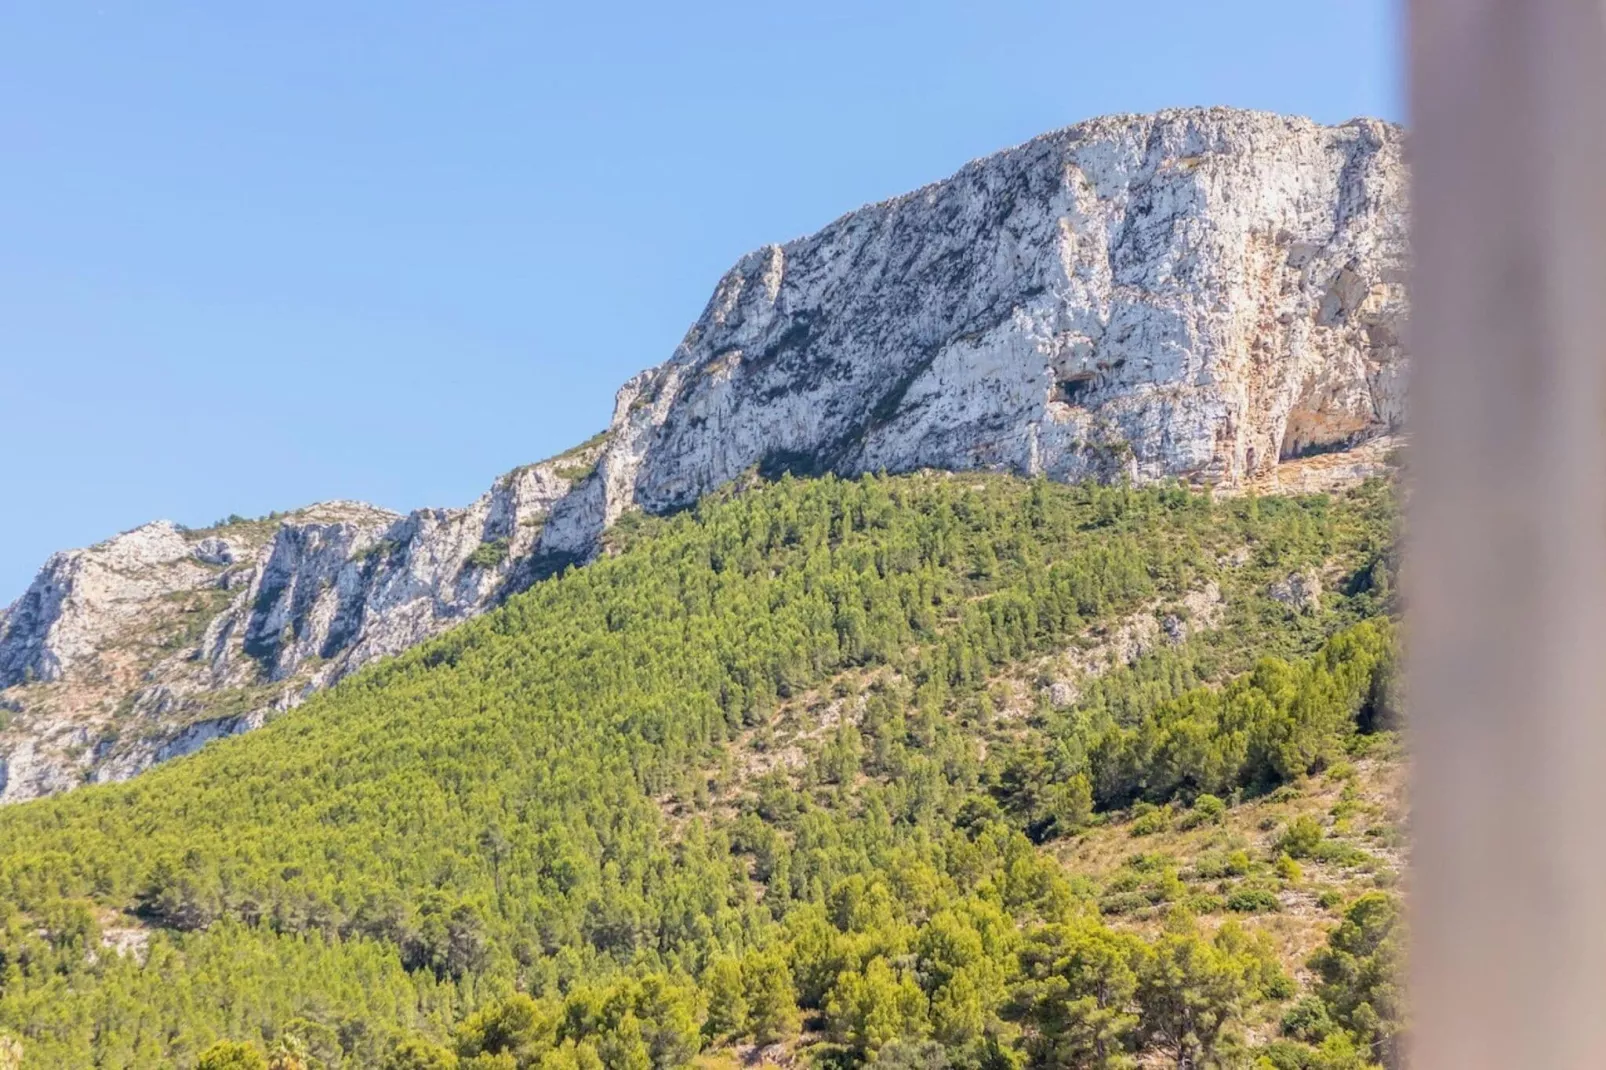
x: 788, y: 778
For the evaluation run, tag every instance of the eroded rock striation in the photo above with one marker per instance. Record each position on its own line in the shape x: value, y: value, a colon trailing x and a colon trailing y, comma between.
x: 149, y: 645
x: 1209, y: 295
x: 1197, y: 294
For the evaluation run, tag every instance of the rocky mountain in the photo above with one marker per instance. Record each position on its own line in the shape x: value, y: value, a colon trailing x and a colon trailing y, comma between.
x: 1209, y: 295
x: 148, y: 645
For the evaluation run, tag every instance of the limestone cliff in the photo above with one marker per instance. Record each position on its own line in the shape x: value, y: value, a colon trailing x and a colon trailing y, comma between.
x: 1209, y: 295
x: 150, y: 644
x: 1197, y: 294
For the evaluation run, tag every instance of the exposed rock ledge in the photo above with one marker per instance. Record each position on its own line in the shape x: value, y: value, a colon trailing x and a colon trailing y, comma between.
x: 147, y: 646
x: 1210, y: 295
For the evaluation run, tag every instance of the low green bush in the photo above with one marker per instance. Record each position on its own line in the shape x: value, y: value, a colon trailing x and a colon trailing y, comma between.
x: 1301, y: 837
x: 1253, y: 901
x: 489, y: 554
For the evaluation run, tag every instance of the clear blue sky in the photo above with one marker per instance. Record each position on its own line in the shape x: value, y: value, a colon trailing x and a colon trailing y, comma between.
x: 257, y: 255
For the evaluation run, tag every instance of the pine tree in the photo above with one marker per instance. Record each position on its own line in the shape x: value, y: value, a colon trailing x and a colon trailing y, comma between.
x: 1187, y: 993
x: 417, y: 1054
x: 1081, y: 997
x: 772, y: 1013
x: 231, y: 1055
x: 727, y: 1001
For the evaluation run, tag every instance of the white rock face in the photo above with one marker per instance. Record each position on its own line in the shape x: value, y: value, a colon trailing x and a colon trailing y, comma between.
x: 1197, y: 294
x: 1208, y: 294
x: 143, y: 648
x: 80, y: 595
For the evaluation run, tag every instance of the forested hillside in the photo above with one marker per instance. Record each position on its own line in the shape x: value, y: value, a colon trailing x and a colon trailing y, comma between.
x: 922, y: 771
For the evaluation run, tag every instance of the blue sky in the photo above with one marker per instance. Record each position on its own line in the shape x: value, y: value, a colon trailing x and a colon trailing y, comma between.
x: 254, y: 256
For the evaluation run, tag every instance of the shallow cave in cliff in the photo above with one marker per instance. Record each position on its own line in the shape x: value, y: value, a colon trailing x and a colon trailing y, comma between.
x: 1073, y: 388
x: 1302, y: 440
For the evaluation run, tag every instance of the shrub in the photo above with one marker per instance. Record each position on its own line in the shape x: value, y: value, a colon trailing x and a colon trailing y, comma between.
x: 488, y: 554
x: 1386, y: 836
x: 1283, y: 1055
x: 912, y: 1055
x: 1152, y: 821
x: 574, y: 473
x: 1308, y: 1020
x: 1301, y: 837
x: 1253, y: 901
x: 1215, y: 865
x: 1123, y: 903
x: 1207, y: 810
x: 1167, y: 887
x: 1151, y: 861
x: 1338, y: 853
x: 1125, y: 879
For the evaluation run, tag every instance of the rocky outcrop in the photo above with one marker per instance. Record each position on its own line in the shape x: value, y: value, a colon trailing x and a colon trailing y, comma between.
x: 79, y: 597
x: 1208, y: 295
x: 149, y: 645
x: 1198, y: 294
x: 1301, y: 591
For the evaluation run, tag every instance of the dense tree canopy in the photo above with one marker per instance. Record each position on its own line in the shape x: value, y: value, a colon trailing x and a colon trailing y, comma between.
x: 565, y: 835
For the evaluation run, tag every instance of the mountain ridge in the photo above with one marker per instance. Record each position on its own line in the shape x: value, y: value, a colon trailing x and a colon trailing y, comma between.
x: 1207, y: 295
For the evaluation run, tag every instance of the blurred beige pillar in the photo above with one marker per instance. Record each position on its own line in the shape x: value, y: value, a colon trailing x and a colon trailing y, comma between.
x: 1506, y: 574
